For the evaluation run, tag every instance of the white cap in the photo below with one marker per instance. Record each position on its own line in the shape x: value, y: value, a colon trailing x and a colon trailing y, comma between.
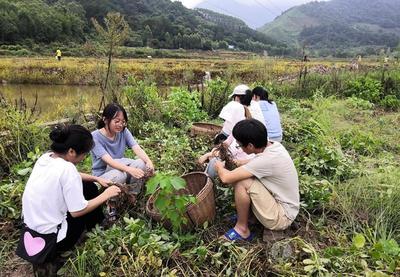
x: 239, y: 90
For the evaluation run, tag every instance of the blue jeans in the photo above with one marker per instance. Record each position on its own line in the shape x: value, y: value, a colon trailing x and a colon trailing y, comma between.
x: 210, y: 169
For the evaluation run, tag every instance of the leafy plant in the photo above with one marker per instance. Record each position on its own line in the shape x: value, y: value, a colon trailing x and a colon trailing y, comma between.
x: 11, y: 188
x: 390, y: 102
x: 365, y: 88
x: 182, y: 107
x: 144, y: 103
x: 168, y: 201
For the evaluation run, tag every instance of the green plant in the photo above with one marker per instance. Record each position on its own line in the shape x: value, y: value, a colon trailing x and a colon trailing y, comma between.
x: 11, y: 188
x: 215, y: 96
x: 390, y: 102
x: 365, y: 88
x: 144, y: 103
x: 360, y: 142
x: 19, y: 134
x: 168, y: 201
x: 359, y: 103
x: 182, y: 107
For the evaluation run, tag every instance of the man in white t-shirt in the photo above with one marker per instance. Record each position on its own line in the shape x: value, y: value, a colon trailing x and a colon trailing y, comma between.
x: 268, y: 183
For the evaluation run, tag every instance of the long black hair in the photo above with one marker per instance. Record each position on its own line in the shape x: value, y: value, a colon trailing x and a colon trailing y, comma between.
x: 76, y: 137
x: 109, y: 112
x: 262, y: 93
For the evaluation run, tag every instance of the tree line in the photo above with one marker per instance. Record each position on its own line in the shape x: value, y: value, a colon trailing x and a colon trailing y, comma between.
x: 152, y: 23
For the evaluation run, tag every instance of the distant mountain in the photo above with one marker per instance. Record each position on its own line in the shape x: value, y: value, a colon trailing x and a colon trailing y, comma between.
x: 254, y: 15
x: 154, y: 23
x: 339, y: 26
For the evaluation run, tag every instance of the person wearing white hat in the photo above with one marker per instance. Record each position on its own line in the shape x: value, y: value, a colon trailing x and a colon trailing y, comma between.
x: 234, y: 111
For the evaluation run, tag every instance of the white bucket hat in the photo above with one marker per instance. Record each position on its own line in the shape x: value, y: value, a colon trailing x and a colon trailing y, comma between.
x: 239, y: 90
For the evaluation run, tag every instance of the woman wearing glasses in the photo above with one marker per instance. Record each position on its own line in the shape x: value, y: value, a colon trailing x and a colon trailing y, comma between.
x: 111, y: 140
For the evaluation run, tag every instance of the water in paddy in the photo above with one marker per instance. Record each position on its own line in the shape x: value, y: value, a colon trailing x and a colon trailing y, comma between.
x: 54, y: 101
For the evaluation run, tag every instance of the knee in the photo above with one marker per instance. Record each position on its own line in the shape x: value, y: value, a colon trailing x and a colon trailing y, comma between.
x: 140, y: 164
x: 119, y: 177
x: 246, y: 184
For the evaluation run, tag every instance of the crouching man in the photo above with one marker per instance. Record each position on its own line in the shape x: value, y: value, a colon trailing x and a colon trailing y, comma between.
x: 268, y: 183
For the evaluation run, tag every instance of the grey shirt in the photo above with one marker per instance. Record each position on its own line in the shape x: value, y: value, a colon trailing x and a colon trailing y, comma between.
x: 115, y: 148
x: 276, y: 171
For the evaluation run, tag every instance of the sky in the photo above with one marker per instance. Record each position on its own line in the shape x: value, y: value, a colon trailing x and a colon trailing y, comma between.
x: 254, y: 12
x: 282, y: 3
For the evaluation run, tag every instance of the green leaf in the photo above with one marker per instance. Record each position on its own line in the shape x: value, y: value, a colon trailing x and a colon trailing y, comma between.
x: 24, y: 172
x: 359, y: 241
x: 309, y: 268
x: 151, y: 185
x: 308, y: 262
x: 161, y: 203
x: 178, y: 183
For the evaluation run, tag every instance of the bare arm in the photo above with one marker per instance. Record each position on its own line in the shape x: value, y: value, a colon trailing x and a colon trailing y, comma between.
x: 230, y: 177
x: 241, y: 162
x: 143, y: 156
x: 94, y: 203
x: 90, y: 178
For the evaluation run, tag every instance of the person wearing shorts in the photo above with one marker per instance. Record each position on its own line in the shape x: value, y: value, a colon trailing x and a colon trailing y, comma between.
x: 267, y: 184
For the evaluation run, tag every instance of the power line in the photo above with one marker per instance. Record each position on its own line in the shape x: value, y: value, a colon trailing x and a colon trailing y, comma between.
x: 267, y: 9
x: 228, y: 12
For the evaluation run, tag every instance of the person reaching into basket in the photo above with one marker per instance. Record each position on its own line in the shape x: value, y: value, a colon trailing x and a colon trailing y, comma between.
x: 268, y: 183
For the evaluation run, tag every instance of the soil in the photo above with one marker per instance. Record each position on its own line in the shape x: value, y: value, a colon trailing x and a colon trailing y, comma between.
x: 16, y: 267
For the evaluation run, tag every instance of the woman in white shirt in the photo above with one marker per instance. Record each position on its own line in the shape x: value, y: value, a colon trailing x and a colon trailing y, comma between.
x: 232, y: 112
x: 56, y: 193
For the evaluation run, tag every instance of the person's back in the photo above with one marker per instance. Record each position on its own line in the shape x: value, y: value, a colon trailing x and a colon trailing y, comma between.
x: 272, y: 120
x: 276, y: 171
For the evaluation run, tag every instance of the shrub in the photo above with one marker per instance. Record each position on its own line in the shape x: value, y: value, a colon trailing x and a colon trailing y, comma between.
x: 390, y: 102
x: 182, y: 107
x: 317, y: 155
x: 360, y: 142
x: 144, y: 103
x: 19, y: 134
x: 359, y: 103
x: 215, y: 96
x: 365, y: 88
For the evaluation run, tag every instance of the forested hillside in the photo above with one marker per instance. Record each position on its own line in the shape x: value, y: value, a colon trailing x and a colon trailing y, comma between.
x: 153, y: 23
x: 340, y: 26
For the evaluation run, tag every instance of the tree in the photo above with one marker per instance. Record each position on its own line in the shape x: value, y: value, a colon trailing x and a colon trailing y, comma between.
x: 147, y: 35
x: 114, y: 34
x: 169, y: 42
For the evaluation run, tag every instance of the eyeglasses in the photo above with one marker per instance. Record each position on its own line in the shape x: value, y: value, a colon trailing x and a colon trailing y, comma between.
x: 119, y: 122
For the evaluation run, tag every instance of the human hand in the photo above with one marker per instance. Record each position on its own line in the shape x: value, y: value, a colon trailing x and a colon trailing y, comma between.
x: 214, y: 152
x: 104, y: 182
x: 135, y: 172
x: 112, y: 191
x: 150, y: 166
x: 219, y: 165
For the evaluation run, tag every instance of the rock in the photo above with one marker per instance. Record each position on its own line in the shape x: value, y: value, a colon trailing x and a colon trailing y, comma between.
x: 282, y: 252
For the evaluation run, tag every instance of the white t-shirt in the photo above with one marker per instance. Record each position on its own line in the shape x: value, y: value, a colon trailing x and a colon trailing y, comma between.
x: 275, y: 170
x: 256, y: 112
x: 232, y: 113
x: 53, y: 188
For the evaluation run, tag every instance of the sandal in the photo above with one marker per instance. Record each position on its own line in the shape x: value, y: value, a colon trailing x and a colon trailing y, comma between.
x: 232, y: 235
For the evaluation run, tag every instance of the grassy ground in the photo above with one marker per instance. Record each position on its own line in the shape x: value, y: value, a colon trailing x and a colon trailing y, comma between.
x: 347, y: 153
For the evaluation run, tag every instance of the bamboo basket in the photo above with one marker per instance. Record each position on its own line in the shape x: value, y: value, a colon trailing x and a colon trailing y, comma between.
x: 205, y: 129
x: 200, y: 185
